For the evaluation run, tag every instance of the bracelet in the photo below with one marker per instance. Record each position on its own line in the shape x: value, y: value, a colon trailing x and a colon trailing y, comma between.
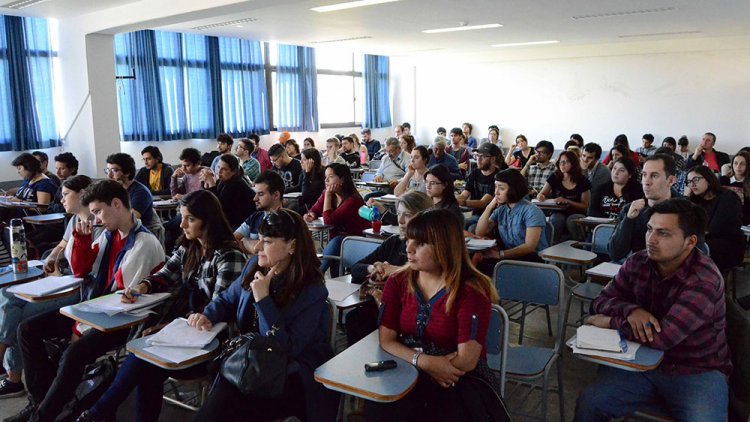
x: 415, y: 358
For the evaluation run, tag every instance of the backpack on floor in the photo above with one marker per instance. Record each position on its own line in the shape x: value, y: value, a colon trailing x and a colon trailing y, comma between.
x: 96, y: 380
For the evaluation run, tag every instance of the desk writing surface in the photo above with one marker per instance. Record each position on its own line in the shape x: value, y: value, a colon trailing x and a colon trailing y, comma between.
x: 10, y: 278
x: 42, y: 219
x: 565, y: 252
x: 646, y: 359
x: 138, y: 345
x: 102, y: 321
x: 605, y: 269
x: 353, y: 299
x: 346, y: 373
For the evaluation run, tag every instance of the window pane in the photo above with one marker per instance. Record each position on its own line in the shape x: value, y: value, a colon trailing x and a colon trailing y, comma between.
x: 332, y: 59
x: 359, y: 100
x: 275, y: 96
x: 335, y: 95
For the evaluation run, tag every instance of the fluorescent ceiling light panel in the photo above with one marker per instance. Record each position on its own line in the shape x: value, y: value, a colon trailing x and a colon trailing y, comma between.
x: 521, y: 44
x: 623, y: 13
x: 363, y: 37
x: 659, y: 34
x: 462, y: 28
x: 237, y: 22
x: 20, y: 4
x: 349, y: 5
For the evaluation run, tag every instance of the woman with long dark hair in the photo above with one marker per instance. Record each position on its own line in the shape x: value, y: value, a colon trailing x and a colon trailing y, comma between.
x: 234, y: 193
x: 339, y: 206
x: 281, y: 290
x: 568, y: 186
x: 622, y: 189
x: 621, y: 140
x: 313, y: 178
x: 205, y: 264
x: 439, y: 187
x: 36, y: 186
x: 519, y: 155
x: 738, y: 180
x: 724, y: 231
x: 435, y: 314
x: 414, y: 179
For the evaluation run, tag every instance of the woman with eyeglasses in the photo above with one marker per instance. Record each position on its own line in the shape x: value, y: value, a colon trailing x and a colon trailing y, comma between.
x: 205, y: 264
x: 435, y: 314
x: 568, y: 186
x: 283, y: 286
x: 313, y: 178
x: 738, y: 181
x: 374, y: 269
x: 724, y: 231
x: 250, y: 166
x: 339, y: 206
x: 235, y: 195
x: 622, y: 189
x: 439, y: 187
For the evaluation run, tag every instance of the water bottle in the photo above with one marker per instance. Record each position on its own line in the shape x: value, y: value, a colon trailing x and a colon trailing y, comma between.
x: 362, y: 157
x: 19, y: 257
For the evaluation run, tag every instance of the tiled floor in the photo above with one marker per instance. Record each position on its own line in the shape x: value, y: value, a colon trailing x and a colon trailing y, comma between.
x: 576, y: 373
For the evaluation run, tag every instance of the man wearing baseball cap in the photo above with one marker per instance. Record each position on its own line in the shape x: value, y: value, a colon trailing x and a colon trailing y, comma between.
x: 480, y: 184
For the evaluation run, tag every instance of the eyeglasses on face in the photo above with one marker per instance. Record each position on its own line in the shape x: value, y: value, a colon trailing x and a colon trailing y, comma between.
x: 694, y: 181
x: 111, y: 170
x: 542, y: 152
x: 433, y: 183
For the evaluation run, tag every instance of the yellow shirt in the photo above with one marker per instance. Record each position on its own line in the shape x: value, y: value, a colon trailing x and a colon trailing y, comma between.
x: 154, y: 178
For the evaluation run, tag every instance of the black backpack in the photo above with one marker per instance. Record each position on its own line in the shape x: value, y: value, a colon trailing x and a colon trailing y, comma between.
x: 96, y: 380
x: 208, y: 158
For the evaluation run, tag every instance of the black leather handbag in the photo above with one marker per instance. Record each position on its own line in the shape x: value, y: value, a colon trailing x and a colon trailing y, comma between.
x: 256, y: 365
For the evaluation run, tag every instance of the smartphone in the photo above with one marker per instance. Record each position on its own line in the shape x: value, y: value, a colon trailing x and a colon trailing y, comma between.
x: 383, y: 365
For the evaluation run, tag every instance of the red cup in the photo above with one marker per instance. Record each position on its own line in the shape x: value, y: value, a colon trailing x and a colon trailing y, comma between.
x: 376, y: 225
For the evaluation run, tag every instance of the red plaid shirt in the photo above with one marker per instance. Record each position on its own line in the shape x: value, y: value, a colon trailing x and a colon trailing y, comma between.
x: 689, y: 305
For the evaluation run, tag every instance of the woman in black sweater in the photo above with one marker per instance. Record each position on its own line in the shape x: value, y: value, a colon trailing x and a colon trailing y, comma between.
x: 312, y: 179
x: 235, y: 195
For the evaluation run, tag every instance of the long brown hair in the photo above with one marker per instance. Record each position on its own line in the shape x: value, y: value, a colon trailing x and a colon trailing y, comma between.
x: 304, y: 269
x: 746, y: 180
x: 575, y: 167
x: 442, y: 229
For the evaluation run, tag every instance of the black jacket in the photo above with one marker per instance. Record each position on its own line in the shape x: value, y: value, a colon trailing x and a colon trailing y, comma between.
x: 236, y: 198
x: 164, y: 179
x: 393, y: 250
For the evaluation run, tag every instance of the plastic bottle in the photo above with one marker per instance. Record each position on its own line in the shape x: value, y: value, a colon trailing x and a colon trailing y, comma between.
x: 18, y: 254
x: 362, y: 157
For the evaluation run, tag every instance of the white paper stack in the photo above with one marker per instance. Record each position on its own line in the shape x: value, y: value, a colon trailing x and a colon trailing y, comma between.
x: 602, y: 220
x: 390, y: 230
x: 480, y: 243
x: 590, y: 337
x: 45, y: 286
x: 179, y: 334
x: 112, y: 304
x: 165, y: 202
x: 338, y: 291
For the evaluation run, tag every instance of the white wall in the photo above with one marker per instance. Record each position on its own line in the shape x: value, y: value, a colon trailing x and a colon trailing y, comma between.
x: 667, y: 94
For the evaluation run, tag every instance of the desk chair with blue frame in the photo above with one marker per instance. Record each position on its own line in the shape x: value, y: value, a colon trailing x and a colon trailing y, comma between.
x: 542, y: 284
x: 496, y: 344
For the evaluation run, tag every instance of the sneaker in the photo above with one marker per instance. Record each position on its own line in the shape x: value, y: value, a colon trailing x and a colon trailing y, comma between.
x: 11, y: 389
x: 24, y: 415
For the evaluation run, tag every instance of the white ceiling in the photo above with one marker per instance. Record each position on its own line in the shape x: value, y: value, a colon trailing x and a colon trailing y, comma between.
x: 395, y: 28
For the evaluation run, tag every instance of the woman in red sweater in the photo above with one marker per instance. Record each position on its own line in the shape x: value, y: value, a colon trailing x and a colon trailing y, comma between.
x: 339, y: 205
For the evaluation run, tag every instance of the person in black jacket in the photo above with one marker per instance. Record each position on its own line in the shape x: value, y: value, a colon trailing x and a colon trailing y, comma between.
x: 154, y: 166
x: 706, y: 155
x: 724, y: 238
x: 312, y: 179
x: 235, y: 195
x: 379, y: 265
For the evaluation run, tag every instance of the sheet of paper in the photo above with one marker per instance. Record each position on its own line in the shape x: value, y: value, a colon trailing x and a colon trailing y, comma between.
x: 590, y: 337
x: 598, y: 219
x: 388, y: 197
x: 481, y: 243
x: 112, y: 305
x: 546, y: 201
x: 45, y: 286
x: 628, y: 356
x: 175, y: 354
x: 179, y: 334
x: 165, y: 202
x: 607, y: 269
x: 390, y: 229
x: 338, y: 291
x: 293, y: 194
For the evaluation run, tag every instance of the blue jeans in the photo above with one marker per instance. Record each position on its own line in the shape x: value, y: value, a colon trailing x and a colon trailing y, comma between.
x: 14, y: 310
x: 616, y: 393
x: 333, y: 248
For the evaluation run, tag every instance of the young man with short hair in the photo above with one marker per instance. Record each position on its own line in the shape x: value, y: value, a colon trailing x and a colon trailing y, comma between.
x: 480, y: 183
x: 260, y: 154
x: 224, y: 145
x: 332, y: 152
x: 287, y: 167
x: 121, y: 168
x: 269, y: 195
x: 669, y: 297
x: 597, y: 173
x: 706, y: 154
x: 648, y: 148
x: 154, y: 174
x: 349, y: 152
x: 119, y: 258
x: 459, y: 151
x: 373, y: 145
x: 66, y: 165
x: 539, y: 167
x: 471, y: 141
x: 44, y: 161
x: 186, y: 178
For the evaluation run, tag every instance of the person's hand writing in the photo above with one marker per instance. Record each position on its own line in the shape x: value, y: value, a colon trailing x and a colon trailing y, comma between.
x: 635, y: 208
x: 541, y: 197
x: 200, y: 322
x: 440, y: 369
x: 130, y: 295
x: 309, y: 217
x: 378, y: 179
x: 562, y: 201
x: 643, y: 324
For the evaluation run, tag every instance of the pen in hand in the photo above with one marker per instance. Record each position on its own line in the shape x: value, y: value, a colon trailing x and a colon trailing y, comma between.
x: 132, y: 294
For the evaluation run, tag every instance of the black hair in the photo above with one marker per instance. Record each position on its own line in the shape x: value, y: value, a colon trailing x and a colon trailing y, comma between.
x: 471, y: 128
x: 233, y: 163
x: 621, y: 139
x: 366, y: 130
x: 255, y: 138
x: 683, y: 141
x: 405, y: 125
x: 670, y: 168
x: 125, y: 161
x: 457, y: 131
x: 571, y: 143
x: 317, y: 170
x: 29, y: 163
x: 423, y: 152
x: 69, y: 160
x: 225, y: 139
x: 711, y: 135
x: 669, y: 140
x: 691, y: 218
x: 649, y: 137
x: 272, y: 179
x: 518, y: 188
x: 713, y: 182
x: 191, y: 155
x: 347, y: 183
x: 632, y: 184
x: 77, y: 183
x: 593, y: 148
x: 154, y: 151
x: 441, y: 130
x: 442, y: 173
x: 276, y: 150
x: 622, y: 149
x: 310, y: 140
x: 664, y: 150
x: 546, y: 144
x: 248, y: 145
x: 579, y: 139
x: 105, y: 191
x: 41, y: 156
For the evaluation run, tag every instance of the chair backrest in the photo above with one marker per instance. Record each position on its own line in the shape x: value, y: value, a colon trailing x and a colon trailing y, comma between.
x: 367, y: 176
x: 549, y: 232
x: 332, y: 312
x: 531, y: 282
x: 497, y: 343
x: 600, y: 238
x: 354, y: 249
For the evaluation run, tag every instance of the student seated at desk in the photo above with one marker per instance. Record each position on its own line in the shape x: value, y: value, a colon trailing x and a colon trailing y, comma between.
x: 623, y: 188
x: 332, y: 152
x: 36, y: 186
x: 122, y: 255
x: 14, y: 310
x: 520, y: 224
x: 154, y: 174
x: 339, y: 205
x: 288, y: 168
x: 284, y: 288
x: 312, y: 179
x: 121, y: 168
x: 480, y: 183
x: 439, y: 156
x: 392, y: 167
x: 269, y: 191
x: 738, y: 181
x: 441, y: 303
x: 413, y: 180
x: 206, y: 263
x: 235, y: 195
x: 669, y: 297
x: 459, y: 150
x: 379, y: 265
x: 568, y: 186
x: 439, y: 184
x: 187, y: 177
x: 250, y: 166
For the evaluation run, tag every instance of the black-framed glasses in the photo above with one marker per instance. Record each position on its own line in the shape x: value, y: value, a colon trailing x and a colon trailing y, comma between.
x: 694, y: 181
x: 542, y: 152
x: 111, y: 170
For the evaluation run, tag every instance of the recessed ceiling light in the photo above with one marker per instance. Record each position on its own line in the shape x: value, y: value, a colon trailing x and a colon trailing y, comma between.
x: 520, y: 44
x: 349, y: 5
x: 623, y: 13
x: 462, y: 28
x: 236, y: 22
x: 659, y: 34
x: 20, y: 4
x: 364, y: 37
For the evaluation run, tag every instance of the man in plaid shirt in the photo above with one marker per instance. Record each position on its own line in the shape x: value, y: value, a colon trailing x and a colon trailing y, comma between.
x: 669, y: 297
x: 539, y: 167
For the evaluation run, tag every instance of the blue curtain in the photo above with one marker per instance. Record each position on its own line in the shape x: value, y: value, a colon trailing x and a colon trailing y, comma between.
x: 243, y: 87
x: 377, y: 92
x: 26, y: 95
x: 297, y: 89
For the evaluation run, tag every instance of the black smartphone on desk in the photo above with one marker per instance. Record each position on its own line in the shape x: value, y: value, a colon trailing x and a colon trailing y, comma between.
x: 383, y: 365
